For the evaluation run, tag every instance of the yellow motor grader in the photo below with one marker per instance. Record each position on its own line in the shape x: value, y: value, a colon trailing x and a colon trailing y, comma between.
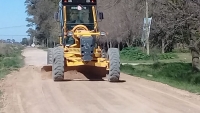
x: 78, y: 46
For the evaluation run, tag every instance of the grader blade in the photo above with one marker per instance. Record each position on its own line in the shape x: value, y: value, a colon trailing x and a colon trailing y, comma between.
x: 79, y: 72
x: 46, y: 68
x: 89, y: 72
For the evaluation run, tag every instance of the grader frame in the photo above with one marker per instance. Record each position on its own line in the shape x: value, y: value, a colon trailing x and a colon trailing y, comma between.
x: 84, y: 51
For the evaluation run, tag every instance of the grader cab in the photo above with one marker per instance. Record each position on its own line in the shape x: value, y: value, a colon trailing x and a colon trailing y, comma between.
x: 78, y: 47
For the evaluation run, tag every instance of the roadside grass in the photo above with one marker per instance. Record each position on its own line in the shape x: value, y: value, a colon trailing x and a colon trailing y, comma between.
x: 136, y: 55
x: 10, y: 59
x: 182, y: 57
x: 179, y: 75
x: 9, y: 64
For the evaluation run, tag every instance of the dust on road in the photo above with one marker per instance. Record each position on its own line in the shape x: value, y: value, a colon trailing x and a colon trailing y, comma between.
x: 31, y: 91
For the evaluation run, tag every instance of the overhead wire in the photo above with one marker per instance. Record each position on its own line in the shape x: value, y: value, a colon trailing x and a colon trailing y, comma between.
x: 13, y: 27
x: 14, y: 35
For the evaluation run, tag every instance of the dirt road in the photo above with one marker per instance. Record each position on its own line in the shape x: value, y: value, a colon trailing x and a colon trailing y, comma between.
x: 31, y: 91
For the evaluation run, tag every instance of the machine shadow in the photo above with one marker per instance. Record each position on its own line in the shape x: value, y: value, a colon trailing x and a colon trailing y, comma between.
x: 89, y: 73
x: 120, y: 81
x: 82, y: 73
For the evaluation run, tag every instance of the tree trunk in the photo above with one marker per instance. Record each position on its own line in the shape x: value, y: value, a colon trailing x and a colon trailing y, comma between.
x: 110, y: 44
x: 105, y: 46
x: 195, y: 59
x: 47, y: 43
x: 128, y: 44
x: 43, y: 45
x: 163, y: 45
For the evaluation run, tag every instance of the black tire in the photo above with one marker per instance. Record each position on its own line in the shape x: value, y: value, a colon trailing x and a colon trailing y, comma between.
x: 58, y: 64
x: 114, y: 59
x: 49, y: 55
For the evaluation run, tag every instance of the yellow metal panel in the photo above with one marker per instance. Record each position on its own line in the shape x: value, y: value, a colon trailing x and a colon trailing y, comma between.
x: 87, y: 33
x: 60, y: 40
x: 95, y: 19
x: 92, y: 63
x: 65, y: 19
x: 73, y: 53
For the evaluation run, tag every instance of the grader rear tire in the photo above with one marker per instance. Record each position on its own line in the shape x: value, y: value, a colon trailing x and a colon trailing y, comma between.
x: 49, y: 55
x: 58, y: 64
x: 114, y: 59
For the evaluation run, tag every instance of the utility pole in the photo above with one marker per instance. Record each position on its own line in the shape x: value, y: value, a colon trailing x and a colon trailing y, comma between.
x: 147, y: 28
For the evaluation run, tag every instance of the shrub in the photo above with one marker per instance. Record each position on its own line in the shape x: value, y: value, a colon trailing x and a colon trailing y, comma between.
x: 10, y: 58
x: 167, y: 56
x: 132, y: 53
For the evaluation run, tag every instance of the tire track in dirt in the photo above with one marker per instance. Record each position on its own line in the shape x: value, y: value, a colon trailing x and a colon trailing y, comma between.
x: 173, y: 93
x: 95, y: 102
x: 31, y: 91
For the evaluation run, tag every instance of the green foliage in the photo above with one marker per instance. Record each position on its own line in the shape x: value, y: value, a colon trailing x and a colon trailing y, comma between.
x: 180, y: 72
x: 10, y: 50
x: 132, y: 53
x: 24, y: 41
x: 11, y: 62
x: 167, y: 56
x: 10, y: 58
x: 40, y: 14
x: 180, y: 75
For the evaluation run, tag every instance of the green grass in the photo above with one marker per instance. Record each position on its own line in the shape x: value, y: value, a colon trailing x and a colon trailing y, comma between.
x: 8, y: 64
x: 179, y: 75
x: 10, y: 59
x: 136, y: 55
x: 182, y: 57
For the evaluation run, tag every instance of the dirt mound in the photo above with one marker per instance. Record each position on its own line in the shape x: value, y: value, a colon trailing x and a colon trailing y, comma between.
x: 78, y: 72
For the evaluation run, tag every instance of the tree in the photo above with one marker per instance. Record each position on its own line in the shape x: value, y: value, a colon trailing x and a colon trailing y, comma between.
x: 40, y: 14
x: 173, y: 21
x: 25, y: 41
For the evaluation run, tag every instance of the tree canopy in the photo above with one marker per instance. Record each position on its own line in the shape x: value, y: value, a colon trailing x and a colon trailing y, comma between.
x: 173, y: 21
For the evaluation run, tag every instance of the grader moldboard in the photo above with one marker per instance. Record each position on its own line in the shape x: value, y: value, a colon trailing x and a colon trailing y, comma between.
x: 78, y: 48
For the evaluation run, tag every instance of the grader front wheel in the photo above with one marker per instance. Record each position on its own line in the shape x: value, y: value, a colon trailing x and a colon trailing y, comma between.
x: 58, y: 64
x: 114, y: 59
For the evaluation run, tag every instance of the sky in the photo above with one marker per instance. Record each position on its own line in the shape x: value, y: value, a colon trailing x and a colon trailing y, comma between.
x: 13, y: 20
